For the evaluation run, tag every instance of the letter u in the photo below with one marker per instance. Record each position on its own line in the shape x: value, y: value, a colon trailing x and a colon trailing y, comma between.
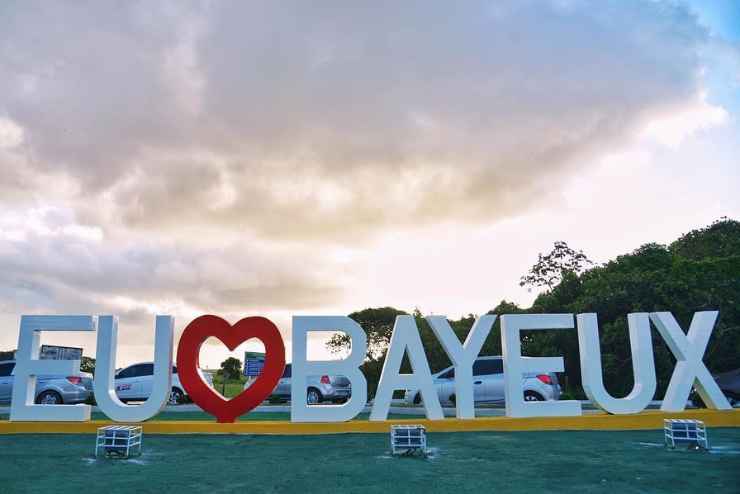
x: 643, y: 365
x: 105, y: 393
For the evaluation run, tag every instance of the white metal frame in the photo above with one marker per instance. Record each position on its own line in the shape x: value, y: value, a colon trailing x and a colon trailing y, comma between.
x: 685, y: 432
x: 408, y: 439
x: 119, y: 440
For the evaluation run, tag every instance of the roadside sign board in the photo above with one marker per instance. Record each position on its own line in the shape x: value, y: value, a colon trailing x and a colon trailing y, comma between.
x: 53, y: 352
x: 253, y: 363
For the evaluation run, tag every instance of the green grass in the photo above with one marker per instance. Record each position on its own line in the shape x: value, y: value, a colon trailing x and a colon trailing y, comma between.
x: 195, y: 415
x: 531, y: 462
x: 231, y: 390
x: 285, y: 416
x: 232, y: 387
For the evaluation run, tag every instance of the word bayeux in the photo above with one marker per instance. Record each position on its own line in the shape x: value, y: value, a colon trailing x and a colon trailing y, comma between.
x: 687, y: 348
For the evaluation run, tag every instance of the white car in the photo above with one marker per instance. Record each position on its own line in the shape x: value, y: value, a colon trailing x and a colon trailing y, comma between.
x: 488, y: 384
x: 134, y: 383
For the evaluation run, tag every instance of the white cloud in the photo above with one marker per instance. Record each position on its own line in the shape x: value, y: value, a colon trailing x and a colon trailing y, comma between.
x: 673, y: 127
x: 11, y: 134
x: 247, y: 117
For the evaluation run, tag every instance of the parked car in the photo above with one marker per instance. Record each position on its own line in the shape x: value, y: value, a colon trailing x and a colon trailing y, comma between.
x: 50, y: 389
x: 729, y: 384
x: 134, y: 383
x: 336, y: 389
x: 488, y: 384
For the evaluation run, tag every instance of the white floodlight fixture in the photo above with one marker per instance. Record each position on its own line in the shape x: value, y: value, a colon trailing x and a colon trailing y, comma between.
x: 119, y: 441
x: 685, y: 432
x: 407, y: 440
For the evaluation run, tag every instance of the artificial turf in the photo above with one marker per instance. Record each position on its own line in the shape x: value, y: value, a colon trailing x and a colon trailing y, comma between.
x: 531, y: 462
x: 198, y: 415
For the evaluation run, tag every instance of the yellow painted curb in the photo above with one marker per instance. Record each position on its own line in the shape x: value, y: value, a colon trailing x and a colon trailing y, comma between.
x: 596, y: 421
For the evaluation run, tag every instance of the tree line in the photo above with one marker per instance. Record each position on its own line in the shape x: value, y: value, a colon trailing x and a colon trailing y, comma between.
x: 698, y: 271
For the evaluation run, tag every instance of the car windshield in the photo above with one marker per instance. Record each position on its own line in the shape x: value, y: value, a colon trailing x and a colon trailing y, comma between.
x: 486, y: 367
x: 6, y: 369
x: 448, y: 375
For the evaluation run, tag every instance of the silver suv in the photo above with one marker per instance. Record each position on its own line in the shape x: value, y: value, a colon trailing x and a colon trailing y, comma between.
x: 50, y: 390
x: 320, y: 388
x: 488, y: 384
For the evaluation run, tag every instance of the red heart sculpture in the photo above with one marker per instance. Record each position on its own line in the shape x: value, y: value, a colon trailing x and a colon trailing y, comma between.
x: 188, y: 353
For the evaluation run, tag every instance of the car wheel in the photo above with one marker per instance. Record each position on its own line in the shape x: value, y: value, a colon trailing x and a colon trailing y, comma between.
x: 313, y: 397
x: 176, y: 397
x: 532, y: 396
x: 49, y: 398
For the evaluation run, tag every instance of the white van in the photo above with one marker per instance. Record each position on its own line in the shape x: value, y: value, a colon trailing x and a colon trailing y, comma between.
x: 134, y: 383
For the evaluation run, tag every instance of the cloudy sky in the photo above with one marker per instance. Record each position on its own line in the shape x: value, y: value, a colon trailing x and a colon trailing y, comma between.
x: 280, y: 158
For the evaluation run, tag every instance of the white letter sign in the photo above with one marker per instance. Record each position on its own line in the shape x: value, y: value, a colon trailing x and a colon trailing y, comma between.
x: 515, y: 366
x: 105, y: 369
x: 28, y: 367
x: 348, y: 367
x: 462, y: 357
x: 405, y: 339
x: 690, y: 370
x: 643, y: 365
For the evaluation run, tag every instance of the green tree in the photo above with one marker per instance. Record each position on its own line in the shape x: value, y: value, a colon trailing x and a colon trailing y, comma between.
x: 720, y: 239
x: 231, y: 369
x: 550, y: 269
x: 378, y: 326
x: 699, y: 271
x: 87, y: 364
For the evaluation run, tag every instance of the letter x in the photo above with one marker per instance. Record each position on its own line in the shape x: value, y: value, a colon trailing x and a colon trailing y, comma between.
x: 690, y: 369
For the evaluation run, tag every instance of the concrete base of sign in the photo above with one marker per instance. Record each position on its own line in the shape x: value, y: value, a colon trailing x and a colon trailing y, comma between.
x: 596, y: 421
